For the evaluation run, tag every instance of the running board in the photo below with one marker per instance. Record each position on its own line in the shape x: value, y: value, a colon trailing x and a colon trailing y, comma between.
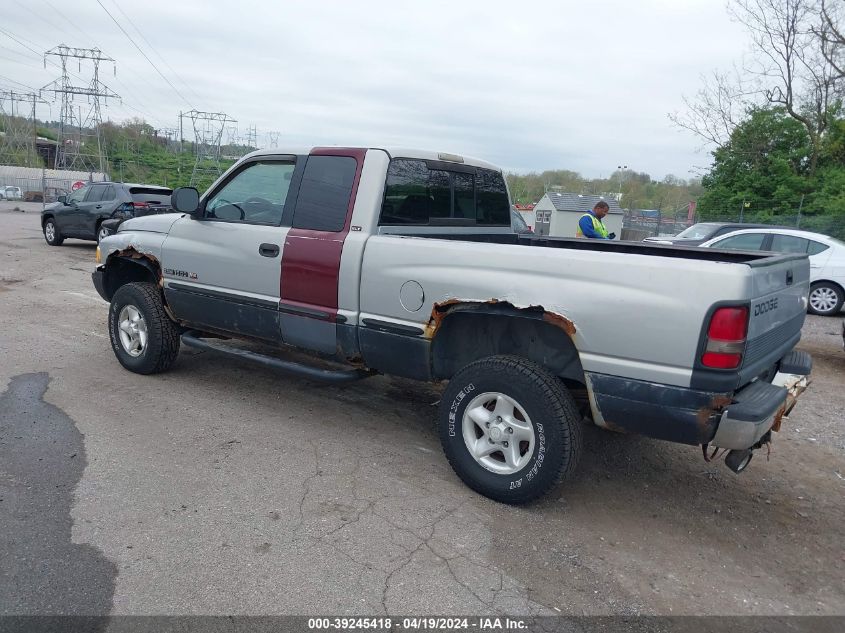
x: 192, y: 338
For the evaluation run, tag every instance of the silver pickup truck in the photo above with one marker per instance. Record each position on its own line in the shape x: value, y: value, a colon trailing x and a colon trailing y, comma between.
x: 403, y: 262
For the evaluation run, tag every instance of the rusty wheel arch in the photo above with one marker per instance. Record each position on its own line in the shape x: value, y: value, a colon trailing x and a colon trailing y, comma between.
x: 543, y: 336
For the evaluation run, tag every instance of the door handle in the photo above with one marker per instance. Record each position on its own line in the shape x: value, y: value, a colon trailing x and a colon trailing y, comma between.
x: 99, y: 206
x: 268, y: 250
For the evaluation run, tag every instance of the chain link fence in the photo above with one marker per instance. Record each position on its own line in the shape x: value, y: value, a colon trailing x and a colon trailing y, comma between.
x: 637, y: 226
x: 30, y: 184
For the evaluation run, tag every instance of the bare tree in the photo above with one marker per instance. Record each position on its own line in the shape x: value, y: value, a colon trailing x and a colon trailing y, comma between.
x: 789, y: 65
x: 716, y: 109
x: 832, y: 35
x: 795, y: 63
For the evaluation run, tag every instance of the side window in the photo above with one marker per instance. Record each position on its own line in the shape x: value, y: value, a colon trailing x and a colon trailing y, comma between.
x: 79, y: 195
x: 108, y: 194
x: 324, y: 193
x: 816, y: 247
x: 746, y: 242
x: 96, y: 193
x: 255, y: 195
x: 415, y: 194
x: 493, y: 204
x: 789, y: 244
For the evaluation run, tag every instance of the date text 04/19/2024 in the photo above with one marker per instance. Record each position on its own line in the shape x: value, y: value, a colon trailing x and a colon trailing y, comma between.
x: 419, y: 623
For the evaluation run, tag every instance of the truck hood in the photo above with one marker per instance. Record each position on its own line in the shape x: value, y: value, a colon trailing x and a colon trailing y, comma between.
x: 151, y: 223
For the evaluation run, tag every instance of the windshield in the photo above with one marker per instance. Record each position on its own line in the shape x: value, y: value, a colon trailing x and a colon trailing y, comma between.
x: 700, y: 231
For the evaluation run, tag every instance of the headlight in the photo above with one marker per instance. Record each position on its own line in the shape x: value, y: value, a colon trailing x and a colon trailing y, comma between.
x: 97, y: 256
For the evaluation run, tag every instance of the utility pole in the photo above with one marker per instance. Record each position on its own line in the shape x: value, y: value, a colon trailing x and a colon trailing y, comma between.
x: 800, y: 206
x: 80, y: 144
x: 18, y: 146
x: 208, y: 132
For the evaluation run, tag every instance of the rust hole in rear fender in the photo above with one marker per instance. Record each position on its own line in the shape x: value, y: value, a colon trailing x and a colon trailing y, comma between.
x: 442, y: 309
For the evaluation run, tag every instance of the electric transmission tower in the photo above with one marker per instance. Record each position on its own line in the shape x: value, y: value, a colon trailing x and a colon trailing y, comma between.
x: 273, y: 138
x: 232, y: 137
x: 17, y: 113
x: 208, y: 131
x: 80, y: 144
x: 251, y: 140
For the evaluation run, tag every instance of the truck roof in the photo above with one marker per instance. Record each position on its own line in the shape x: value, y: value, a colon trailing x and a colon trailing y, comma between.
x: 394, y: 152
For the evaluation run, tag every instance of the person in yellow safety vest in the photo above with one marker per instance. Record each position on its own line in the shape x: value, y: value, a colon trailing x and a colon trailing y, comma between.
x: 591, y: 226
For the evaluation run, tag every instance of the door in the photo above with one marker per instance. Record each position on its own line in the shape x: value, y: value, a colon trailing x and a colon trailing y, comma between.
x: 69, y: 215
x: 221, y: 272
x: 542, y: 222
x: 313, y: 246
x: 91, y: 210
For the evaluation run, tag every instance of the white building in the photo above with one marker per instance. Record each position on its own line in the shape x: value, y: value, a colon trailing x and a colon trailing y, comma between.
x: 557, y: 214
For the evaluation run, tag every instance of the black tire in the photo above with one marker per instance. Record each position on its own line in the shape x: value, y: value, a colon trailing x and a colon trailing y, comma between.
x: 57, y: 238
x: 547, y: 403
x: 162, y: 346
x: 830, y: 288
x: 98, y: 232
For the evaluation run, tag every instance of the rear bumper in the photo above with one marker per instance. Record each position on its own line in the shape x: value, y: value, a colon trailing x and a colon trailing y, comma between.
x: 691, y: 416
x: 760, y: 407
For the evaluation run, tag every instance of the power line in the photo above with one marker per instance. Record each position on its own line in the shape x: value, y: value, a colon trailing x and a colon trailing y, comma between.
x: 39, y: 56
x: 154, y: 49
x: 17, y: 82
x: 175, y: 89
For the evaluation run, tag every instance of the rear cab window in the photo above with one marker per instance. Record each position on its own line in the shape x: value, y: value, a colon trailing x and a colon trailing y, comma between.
x: 434, y: 193
x: 153, y: 196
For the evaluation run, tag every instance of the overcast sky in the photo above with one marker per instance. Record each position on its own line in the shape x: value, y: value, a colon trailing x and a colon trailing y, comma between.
x: 528, y: 85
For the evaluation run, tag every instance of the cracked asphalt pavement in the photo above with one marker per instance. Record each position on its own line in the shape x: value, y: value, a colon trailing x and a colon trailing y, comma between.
x: 225, y: 488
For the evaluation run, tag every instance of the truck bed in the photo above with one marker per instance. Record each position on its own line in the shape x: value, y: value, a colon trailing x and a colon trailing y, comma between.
x: 752, y: 258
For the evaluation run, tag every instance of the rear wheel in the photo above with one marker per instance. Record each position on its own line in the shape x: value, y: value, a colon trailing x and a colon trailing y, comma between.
x: 826, y: 298
x: 143, y: 337
x: 51, y: 233
x: 509, y: 428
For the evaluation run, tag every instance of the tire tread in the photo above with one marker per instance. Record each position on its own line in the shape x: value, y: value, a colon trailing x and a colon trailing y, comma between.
x: 164, y: 355
x: 565, y: 415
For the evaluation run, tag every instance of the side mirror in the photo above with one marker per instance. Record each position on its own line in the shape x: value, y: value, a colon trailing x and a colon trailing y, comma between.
x: 185, y: 200
x: 62, y: 199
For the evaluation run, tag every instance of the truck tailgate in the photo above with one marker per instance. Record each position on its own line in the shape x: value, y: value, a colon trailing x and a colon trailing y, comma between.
x: 779, y: 288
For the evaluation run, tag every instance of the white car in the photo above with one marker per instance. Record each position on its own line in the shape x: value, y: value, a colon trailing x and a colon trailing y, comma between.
x: 11, y: 193
x: 827, y: 260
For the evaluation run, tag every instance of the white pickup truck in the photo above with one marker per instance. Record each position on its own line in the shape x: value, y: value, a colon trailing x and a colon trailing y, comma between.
x: 403, y: 262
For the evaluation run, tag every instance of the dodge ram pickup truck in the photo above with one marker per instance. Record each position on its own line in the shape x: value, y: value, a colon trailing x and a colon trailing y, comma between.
x: 403, y: 262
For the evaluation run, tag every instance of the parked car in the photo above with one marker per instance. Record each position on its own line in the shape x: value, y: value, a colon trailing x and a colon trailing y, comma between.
x: 82, y: 213
x: 703, y: 231
x: 518, y: 223
x: 11, y: 193
x: 404, y: 262
x: 827, y: 260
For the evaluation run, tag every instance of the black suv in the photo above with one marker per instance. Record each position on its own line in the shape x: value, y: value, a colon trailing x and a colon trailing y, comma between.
x: 94, y: 211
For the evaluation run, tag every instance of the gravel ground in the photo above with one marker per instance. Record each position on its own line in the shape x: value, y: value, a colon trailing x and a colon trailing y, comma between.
x: 220, y: 487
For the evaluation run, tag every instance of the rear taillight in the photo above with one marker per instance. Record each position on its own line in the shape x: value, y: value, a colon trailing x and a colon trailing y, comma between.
x: 140, y: 205
x: 726, y: 336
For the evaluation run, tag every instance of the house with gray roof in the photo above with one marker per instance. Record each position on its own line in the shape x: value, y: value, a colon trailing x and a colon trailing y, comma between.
x: 557, y: 213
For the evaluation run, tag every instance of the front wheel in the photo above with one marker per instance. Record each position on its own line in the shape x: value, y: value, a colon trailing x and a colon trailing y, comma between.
x: 826, y: 299
x: 143, y: 337
x: 509, y: 428
x: 51, y: 233
x: 102, y: 233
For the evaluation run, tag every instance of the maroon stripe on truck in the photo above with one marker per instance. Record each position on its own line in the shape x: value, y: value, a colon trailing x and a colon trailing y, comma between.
x: 311, y: 259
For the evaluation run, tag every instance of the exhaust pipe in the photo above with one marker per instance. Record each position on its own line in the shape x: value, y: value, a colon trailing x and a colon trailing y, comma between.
x: 737, y: 460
